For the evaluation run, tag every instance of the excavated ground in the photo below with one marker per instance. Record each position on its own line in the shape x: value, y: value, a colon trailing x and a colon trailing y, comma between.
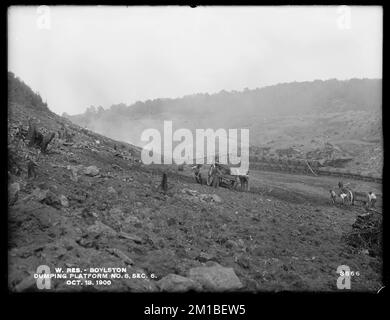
x: 283, y: 235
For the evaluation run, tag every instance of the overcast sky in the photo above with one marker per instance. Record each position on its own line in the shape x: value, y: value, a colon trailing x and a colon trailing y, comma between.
x: 105, y: 55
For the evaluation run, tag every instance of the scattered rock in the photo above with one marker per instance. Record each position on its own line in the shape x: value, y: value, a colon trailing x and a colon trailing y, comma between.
x: 366, y: 233
x: 64, y: 201
x: 176, y: 283
x: 231, y: 244
x: 116, y: 167
x: 171, y: 222
x: 52, y: 200
x: 211, y: 263
x: 118, y: 253
x: 216, y: 278
x: 27, y: 284
x: 258, y: 251
x: 101, y: 228
x: 296, y: 233
x: 145, y: 211
x: 91, y: 171
x: 74, y: 172
x: 216, y: 198
x: 189, y: 192
x: 241, y: 242
x: 150, y: 225
x: 243, y: 262
x: 130, y: 237
x: 39, y: 194
x: 47, y: 197
x: 194, y: 195
x: 111, y: 190
x: 116, y: 212
x: 203, y: 257
x: 79, y: 197
x: 132, y: 220
x: 140, y: 284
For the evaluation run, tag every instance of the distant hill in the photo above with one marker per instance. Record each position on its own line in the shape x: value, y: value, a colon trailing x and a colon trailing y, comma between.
x: 248, y: 108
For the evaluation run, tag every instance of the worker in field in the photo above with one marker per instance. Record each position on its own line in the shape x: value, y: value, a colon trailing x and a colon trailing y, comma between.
x: 215, y: 174
x: 371, y: 199
x: 198, y: 176
x: 333, y: 196
x: 244, y: 181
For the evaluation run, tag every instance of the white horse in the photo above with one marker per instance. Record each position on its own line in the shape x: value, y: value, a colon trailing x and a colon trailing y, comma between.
x: 344, y: 195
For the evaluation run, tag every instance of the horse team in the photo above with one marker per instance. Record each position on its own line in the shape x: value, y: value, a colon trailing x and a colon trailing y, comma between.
x: 218, y: 176
x: 348, y: 196
x: 345, y: 194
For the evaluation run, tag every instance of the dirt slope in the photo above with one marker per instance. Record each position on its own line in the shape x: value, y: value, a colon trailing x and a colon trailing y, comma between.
x: 70, y: 216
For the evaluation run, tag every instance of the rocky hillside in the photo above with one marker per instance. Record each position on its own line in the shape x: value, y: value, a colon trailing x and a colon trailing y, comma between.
x: 88, y: 202
x: 20, y: 93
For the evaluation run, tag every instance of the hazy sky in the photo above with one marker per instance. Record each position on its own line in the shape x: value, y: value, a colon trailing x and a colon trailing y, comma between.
x: 81, y: 56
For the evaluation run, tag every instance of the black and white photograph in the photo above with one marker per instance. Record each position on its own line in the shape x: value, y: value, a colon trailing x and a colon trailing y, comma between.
x: 195, y: 149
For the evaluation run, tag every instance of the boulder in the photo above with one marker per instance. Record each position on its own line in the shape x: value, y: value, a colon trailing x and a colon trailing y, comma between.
x: 231, y: 244
x: 39, y: 194
x: 27, y: 284
x: 216, y: 198
x: 118, y: 253
x: 111, y: 190
x: 74, y: 172
x: 216, y: 278
x: 171, y: 222
x: 48, y: 197
x: 52, y: 200
x: 132, y: 220
x: 116, y: 212
x: 189, y: 192
x: 204, y: 257
x: 132, y: 237
x: 64, y: 201
x: 176, y: 283
x: 91, y: 171
x: 100, y: 228
x: 140, y: 284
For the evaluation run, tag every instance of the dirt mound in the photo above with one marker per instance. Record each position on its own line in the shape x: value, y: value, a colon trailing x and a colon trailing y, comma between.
x: 366, y: 234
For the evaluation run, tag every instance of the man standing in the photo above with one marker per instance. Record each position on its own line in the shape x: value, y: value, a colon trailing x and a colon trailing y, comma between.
x: 215, y: 174
x: 333, y: 196
x: 198, y: 176
x: 371, y: 199
x: 245, y: 181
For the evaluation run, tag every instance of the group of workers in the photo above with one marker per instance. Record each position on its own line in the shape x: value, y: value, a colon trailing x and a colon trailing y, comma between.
x: 347, y: 194
x: 215, y: 174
